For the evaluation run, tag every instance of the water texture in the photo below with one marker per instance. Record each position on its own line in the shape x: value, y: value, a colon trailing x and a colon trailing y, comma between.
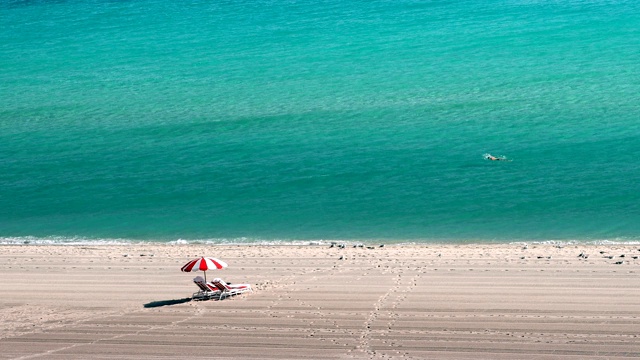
x: 250, y: 121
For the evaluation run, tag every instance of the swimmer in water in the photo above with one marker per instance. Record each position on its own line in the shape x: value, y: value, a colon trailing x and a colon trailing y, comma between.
x: 493, y: 158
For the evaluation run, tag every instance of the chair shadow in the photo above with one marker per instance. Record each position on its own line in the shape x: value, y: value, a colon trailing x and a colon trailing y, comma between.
x: 166, y: 302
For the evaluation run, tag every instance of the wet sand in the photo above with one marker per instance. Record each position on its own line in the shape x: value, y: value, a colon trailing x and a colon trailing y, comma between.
x: 315, y: 302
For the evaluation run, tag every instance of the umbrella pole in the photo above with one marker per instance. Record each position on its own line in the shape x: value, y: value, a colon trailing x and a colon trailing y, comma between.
x: 205, y: 277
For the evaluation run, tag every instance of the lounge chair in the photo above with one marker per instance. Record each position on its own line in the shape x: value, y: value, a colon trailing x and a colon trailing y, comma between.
x: 207, y: 290
x: 230, y: 289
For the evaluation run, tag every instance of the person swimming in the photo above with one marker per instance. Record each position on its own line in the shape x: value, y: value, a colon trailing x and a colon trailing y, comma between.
x: 494, y: 158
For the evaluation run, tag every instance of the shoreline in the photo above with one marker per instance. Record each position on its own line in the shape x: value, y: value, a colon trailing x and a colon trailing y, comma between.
x: 79, y: 241
x: 454, y: 301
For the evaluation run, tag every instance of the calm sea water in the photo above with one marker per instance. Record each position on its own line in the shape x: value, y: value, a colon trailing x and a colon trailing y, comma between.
x: 245, y: 121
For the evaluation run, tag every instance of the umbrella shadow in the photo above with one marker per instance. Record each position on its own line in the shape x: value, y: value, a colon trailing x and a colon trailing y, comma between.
x: 159, y: 303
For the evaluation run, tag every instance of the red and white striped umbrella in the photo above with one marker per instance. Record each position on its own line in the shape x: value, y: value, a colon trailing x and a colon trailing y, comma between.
x: 204, y: 264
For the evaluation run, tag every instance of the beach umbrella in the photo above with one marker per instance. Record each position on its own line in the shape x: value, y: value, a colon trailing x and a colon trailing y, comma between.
x: 204, y: 264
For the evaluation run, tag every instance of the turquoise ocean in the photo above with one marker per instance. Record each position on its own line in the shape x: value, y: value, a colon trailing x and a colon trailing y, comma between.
x: 301, y: 121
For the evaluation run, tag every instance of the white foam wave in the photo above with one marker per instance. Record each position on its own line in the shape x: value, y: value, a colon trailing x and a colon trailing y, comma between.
x: 62, y: 241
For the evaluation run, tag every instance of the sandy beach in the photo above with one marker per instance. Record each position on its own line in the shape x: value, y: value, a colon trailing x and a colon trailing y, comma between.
x: 316, y: 302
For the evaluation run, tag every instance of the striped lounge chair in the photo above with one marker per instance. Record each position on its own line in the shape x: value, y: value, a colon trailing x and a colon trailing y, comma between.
x: 230, y: 289
x: 207, y: 290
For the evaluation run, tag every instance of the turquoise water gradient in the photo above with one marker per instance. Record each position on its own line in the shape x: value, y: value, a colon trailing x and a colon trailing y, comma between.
x: 305, y: 120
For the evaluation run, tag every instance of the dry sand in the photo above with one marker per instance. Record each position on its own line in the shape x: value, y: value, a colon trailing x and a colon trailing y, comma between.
x: 400, y: 302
